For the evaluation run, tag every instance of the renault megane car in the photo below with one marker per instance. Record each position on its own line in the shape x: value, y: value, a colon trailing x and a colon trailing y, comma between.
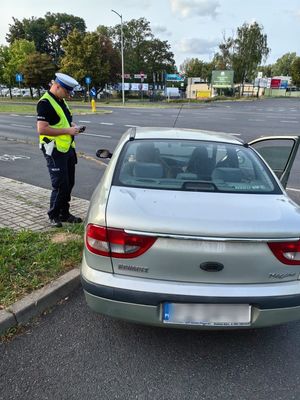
x: 194, y: 229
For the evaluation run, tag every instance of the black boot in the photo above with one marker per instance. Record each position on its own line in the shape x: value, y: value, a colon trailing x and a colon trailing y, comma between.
x: 55, y: 222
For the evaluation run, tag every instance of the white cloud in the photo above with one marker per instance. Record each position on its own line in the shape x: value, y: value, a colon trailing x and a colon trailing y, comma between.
x: 159, y: 29
x: 200, y: 8
x: 197, y: 46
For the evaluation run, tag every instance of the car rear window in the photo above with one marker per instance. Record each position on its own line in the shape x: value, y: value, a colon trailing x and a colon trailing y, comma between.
x: 193, y: 166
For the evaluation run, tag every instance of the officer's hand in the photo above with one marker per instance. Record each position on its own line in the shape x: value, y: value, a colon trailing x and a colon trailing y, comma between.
x: 74, y: 130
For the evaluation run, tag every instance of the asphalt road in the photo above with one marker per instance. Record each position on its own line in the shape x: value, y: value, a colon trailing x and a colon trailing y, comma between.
x: 247, y: 120
x: 72, y: 353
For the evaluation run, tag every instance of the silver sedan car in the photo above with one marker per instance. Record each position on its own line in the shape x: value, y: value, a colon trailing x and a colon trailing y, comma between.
x: 194, y: 229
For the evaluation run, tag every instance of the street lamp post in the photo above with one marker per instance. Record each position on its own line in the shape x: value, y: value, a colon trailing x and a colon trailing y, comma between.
x: 122, y: 56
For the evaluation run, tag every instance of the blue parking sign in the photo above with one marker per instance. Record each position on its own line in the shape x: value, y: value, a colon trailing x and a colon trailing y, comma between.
x: 19, y: 77
x: 88, y: 80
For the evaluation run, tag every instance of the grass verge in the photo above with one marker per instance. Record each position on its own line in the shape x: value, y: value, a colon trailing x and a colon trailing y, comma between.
x: 18, y: 108
x: 29, y: 260
x: 31, y: 109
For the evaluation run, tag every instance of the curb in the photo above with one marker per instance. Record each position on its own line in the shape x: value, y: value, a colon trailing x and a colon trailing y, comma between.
x: 38, y: 301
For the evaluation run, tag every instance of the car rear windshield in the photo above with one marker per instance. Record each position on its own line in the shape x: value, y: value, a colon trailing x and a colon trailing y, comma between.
x: 193, y: 166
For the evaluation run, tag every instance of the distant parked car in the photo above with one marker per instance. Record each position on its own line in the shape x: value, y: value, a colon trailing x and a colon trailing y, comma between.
x: 193, y: 229
x: 4, y: 91
x: 293, y: 89
x: 26, y: 93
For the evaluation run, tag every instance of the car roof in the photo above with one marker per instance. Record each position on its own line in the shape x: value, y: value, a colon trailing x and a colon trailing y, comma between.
x: 189, y: 134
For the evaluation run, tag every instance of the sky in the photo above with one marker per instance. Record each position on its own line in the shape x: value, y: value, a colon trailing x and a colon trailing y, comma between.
x: 193, y: 28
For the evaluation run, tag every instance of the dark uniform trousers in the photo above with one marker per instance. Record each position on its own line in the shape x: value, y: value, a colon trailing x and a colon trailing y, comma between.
x: 61, y: 168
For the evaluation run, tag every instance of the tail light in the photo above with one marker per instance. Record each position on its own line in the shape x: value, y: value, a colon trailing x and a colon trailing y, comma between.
x: 112, y: 242
x: 286, y: 252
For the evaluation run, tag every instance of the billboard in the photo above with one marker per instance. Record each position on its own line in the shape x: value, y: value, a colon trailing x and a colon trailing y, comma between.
x: 283, y: 84
x: 133, y: 86
x: 174, y: 78
x: 222, y: 79
x: 261, y: 82
x: 275, y: 83
x: 139, y: 86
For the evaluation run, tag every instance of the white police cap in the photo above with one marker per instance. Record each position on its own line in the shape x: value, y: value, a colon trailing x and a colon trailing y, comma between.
x: 66, y: 81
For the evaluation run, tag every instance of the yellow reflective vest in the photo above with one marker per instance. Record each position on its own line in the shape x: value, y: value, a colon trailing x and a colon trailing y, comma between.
x: 62, y: 142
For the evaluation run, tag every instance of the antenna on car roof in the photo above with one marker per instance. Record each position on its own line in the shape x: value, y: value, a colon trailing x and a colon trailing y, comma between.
x: 178, y: 115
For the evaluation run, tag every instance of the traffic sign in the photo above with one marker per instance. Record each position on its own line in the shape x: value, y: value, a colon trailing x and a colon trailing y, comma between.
x: 19, y: 77
x: 88, y: 80
x: 139, y: 76
x: 93, y: 92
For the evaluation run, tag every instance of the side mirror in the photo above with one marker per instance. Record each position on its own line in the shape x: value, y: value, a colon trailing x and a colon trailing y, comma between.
x: 103, y: 153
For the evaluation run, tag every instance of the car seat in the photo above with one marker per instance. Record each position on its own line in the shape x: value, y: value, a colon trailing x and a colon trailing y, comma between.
x: 200, y: 164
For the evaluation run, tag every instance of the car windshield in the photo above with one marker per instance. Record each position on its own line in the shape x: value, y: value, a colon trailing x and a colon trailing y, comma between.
x: 193, y: 166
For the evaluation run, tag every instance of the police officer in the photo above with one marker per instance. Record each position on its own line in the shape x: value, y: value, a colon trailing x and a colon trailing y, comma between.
x: 57, y: 133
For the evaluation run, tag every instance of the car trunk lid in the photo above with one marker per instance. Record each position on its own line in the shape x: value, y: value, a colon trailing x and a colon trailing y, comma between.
x: 204, y: 237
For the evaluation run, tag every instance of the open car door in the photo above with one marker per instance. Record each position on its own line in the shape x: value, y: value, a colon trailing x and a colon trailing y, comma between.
x: 279, y: 152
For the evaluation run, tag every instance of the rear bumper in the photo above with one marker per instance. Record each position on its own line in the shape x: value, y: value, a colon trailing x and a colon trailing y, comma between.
x: 140, y: 300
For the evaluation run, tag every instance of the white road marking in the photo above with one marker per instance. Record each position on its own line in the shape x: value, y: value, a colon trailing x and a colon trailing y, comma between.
x: 30, y: 116
x: 290, y: 122
x: 85, y: 122
x: 22, y: 126
x: 255, y: 119
x: 235, y: 134
x: 15, y: 115
x: 11, y: 157
x: 92, y: 134
x: 294, y: 190
x: 106, y: 123
x: 132, y: 126
x: 280, y: 116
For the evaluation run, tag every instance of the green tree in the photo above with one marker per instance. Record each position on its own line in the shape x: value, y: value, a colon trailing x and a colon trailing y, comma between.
x: 193, y: 67
x: 250, y: 49
x: 16, y: 59
x: 224, y: 58
x: 4, y: 58
x: 38, y: 71
x: 59, y: 26
x: 283, y: 65
x: 265, y: 69
x: 32, y: 29
x: 295, y: 71
x: 90, y: 54
x: 158, y: 56
x: 142, y: 51
x: 47, y: 33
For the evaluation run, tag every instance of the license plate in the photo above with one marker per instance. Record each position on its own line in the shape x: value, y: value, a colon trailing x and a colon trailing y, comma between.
x: 207, y: 314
